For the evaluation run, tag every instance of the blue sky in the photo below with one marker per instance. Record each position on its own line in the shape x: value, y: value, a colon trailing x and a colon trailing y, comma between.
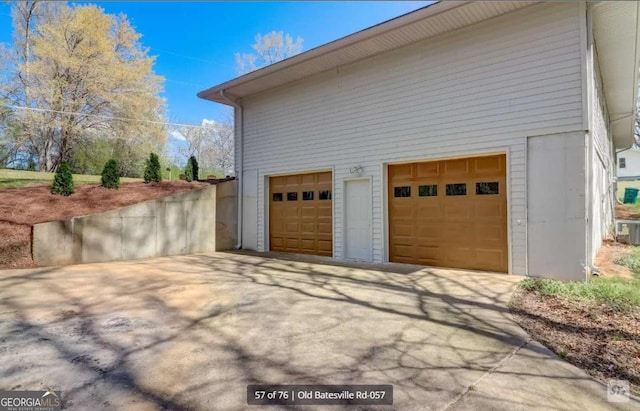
x: 195, y: 42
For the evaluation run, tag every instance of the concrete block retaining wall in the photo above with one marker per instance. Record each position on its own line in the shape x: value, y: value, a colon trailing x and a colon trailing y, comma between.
x: 191, y: 222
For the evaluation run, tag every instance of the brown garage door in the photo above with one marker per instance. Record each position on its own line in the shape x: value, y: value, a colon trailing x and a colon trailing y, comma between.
x: 450, y: 213
x: 300, y: 214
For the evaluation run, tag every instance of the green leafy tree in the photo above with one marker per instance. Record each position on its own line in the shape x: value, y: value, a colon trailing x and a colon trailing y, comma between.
x: 63, y: 180
x: 188, y: 171
x: 152, y: 170
x: 194, y: 167
x: 111, y: 175
x: 13, y: 146
x: 90, y: 153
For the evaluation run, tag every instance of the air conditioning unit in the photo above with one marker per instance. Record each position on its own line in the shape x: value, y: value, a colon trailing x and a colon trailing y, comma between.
x: 629, y: 228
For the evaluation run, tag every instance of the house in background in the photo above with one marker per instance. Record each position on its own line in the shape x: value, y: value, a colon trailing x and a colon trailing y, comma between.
x: 629, y: 165
x: 476, y: 135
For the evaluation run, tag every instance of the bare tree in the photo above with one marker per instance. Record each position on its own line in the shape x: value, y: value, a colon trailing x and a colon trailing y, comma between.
x: 211, y: 143
x: 269, y: 48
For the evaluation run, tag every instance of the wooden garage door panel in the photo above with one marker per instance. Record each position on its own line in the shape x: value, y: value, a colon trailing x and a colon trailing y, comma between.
x: 324, y: 228
x: 489, y: 166
x: 325, y: 247
x: 300, y: 214
x: 278, y: 182
x: 309, y: 212
x: 467, y: 230
x: 430, y: 232
x: 324, y: 179
x: 491, y: 258
x: 403, y: 230
x: 428, y: 209
x: 292, y: 181
x: 456, y: 168
x: 457, y: 210
x: 324, y: 211
x: 308, y: 228
x: 488, y: 210
x: 292, y: 227
x: 428, y: 170
x: 308, y: 245
x: 292, y: 211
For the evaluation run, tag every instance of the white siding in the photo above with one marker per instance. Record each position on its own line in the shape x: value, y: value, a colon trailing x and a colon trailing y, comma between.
x: 632, y: 165
x: 556, y: 212
x: 602, y: 162
x: 482, y: 89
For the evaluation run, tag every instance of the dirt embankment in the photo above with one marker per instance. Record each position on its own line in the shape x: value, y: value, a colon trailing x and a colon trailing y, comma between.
x: 607, y: 256
x: 625, y: 212
x: 21, y: 208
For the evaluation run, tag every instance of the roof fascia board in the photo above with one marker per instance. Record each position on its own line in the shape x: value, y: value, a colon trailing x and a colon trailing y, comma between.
x: 365, y: 34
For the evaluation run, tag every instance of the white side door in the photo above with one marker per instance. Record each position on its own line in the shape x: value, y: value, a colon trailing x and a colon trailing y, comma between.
x: 357, y: 218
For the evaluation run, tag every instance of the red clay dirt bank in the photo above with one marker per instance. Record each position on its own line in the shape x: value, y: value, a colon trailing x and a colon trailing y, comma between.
x: 21, y: 208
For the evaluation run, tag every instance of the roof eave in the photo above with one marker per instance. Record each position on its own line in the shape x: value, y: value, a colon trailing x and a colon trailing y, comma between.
x: 213, y: 93
x: 617, y: 37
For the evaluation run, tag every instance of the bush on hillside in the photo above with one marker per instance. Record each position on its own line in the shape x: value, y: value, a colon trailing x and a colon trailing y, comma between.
x: 188, y: 171
x: 194, y: 167
x: 152, y: 171
x: 110, y: 175
x: 63, y: 180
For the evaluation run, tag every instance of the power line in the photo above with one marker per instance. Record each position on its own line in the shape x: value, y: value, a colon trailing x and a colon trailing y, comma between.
x: 185, y: 83
x: 45, y: 110
x: 189, y: 57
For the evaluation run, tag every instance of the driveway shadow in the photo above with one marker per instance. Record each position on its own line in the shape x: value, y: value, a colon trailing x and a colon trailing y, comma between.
x: 191, y: 332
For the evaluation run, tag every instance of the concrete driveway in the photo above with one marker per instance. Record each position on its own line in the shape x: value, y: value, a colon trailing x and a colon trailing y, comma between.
x: 191, y: 332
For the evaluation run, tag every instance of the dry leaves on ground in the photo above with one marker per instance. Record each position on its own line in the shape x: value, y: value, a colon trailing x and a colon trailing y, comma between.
x: 603, y: 342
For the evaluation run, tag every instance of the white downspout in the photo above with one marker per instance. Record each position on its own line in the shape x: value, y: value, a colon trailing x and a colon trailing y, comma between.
x: 587, y: 117
x: 238, y: 148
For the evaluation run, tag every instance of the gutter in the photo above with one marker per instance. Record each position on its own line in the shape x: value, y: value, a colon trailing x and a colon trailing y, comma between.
x: 238, y: 148
x: 431, y: 10
x: 636, y: 68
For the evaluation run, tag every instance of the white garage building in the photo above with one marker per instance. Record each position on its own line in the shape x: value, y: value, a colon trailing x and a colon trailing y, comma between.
x: 476, y: 135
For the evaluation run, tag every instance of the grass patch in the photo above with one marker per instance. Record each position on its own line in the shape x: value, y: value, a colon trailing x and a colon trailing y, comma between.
x: 619, y: 294
x: 631, y: 260
x: 621, y: 185
x: 22, y: 178
x: 18, y: 182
